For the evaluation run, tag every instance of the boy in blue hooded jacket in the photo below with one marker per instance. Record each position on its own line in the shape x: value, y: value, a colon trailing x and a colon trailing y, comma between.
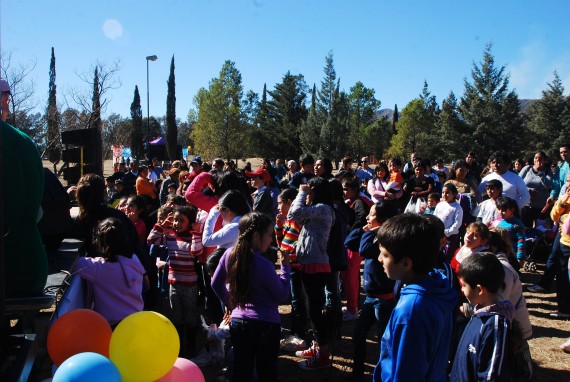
x: 416, y: 342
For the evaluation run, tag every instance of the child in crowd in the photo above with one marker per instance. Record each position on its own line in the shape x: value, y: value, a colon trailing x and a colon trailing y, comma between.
x: 379, y: 301
x: 484, y: 350
x: 184, y: 245
x: 512, y: 290
x: 488, y: 213
x: 313, y: 207
x: 286, y: 233
x: 416, y: 342
x: 511, y: 222
x: 419, y: 186
x: 476, y: 240
x: 451, y: 214
x: 247, y: 284
x: 432, y: 201
x: 262, y: 199
x: 395, y: 167
x: 116, y: 275
x: 136, y: 208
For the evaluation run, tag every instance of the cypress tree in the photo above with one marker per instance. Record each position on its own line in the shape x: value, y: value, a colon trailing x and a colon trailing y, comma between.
x: 395, y: 117
x: 52, y: 117
x: 96, y: 112
x: 171, y: 128
x: 137, y: 148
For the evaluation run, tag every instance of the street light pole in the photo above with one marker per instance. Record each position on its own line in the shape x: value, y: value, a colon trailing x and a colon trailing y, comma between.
x: 148, y: 58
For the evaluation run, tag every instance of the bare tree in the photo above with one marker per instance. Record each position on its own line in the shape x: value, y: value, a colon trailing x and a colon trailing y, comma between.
x: 107, y: 79
x: 21, y: 86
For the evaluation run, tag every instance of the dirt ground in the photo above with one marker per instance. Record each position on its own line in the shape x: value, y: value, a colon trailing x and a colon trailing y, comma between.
x: 551, y: 363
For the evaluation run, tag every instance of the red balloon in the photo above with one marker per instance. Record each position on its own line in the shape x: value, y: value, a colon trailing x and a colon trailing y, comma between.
x: 182, y: 371
x: 78, y: 331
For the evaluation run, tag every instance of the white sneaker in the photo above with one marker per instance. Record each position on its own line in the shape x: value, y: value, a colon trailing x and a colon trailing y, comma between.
x: 293, y: 343
x: 566, y: 346
x: 202, y: 359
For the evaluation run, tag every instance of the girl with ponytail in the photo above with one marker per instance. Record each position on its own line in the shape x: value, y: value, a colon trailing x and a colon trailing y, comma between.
x: 247, y: 284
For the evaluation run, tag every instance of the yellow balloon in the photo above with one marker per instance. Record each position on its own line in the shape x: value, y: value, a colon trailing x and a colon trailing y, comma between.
x: 144, y: 347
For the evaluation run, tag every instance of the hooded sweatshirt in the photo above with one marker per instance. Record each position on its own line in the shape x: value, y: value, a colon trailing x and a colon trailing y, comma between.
x: 117, y: 286
x: 415, y: 345
x: 483, y: 352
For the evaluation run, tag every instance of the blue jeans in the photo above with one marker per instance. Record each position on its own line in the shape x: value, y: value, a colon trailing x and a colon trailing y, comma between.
x: 255, y: 343
x: 374, y: 311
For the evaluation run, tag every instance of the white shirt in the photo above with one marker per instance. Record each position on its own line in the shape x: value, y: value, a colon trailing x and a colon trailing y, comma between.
x: 513, y: 187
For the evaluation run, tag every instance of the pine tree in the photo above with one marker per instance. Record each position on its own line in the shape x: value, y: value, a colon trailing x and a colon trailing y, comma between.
x: 136, y: 134
x: 287, y: 111
x: 549, y: 119
x: 171, y: 127
x: 395, y: 117
x: 491, y: 111
x: 52, y: 116
x: 311, y: 127
x: 453, y: 134
x: 363, y: 108
x: 96, y: 109
x: 327, y: 97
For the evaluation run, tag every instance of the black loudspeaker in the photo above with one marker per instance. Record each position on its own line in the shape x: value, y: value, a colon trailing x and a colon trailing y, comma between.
x: 56, y: 223
x: 75, y: 140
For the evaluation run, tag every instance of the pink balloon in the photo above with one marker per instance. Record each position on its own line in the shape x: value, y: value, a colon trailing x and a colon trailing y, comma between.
x: 183, y: 371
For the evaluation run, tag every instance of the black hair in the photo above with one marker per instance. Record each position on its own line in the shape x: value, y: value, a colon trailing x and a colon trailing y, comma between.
x: 177, y: 200
x: 451, y: 187
x: 483, y: 268
x: 351, y: 183
x: 235, y: 202
x: 140, y: 203
x: 456, y: 165
x: 504, y: 203
x: 384, y: 211
x: 111, y: 239
x: 288, y: 194
x: 433, y: 195
x: 420, y: 163
x: 383, y: 166
x: 496, y: 184
x: 413, y: 236
x: 396, y: 161
x: 90, y: 194
x: 189, y: 211
x: 502, y: 156
x: 321, y: 191
x: 306, y: 159
x: 240, y: 258
x: 327, y: 165
x: 336, y: 190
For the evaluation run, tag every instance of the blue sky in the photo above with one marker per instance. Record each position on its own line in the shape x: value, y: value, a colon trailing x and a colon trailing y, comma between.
x: 391, y: 46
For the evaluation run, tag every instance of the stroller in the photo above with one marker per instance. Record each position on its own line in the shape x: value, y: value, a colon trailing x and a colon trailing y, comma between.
x: 539, y: 242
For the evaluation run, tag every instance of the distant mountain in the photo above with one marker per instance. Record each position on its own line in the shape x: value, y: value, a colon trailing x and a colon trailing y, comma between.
x: 525, y: 104
x: 386, y: 113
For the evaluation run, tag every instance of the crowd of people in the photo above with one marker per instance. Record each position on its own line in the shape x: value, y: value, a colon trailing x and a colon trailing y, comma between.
x: 442, y: 248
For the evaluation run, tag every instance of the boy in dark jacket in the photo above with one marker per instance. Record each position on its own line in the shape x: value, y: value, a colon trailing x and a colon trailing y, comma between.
x: 483, y: 353
x: 379, y: 301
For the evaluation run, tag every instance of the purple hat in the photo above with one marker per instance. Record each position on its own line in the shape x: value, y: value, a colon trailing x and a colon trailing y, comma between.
x: 4, y: 87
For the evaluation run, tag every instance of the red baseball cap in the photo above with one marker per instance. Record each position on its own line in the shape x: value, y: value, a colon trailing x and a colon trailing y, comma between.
x: 261, y: 173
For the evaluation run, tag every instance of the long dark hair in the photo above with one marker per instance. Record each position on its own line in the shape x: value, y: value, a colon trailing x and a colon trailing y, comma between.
x: 239, y: 262
x: 111, y: 240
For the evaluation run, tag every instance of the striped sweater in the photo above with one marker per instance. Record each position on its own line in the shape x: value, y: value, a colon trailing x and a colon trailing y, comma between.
x: 183, y: 250
x: 286, y: 236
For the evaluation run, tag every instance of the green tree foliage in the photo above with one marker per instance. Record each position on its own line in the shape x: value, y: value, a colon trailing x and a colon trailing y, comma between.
x: 311, y: 128
x: 53, y: 143
x: 218, y: 129
x: 453, y: 133
x: 363, y: 108
x: 491, y: 111
x: 549, y: 119
x: 287, y: 111
x: 251, y: 109
x: 116, y: 130
x: 96, y: 109
x: 136, y: 132
x: 412, y: 136
x: 395, y: 117
x: 328, y: 107
x: 171, y: 126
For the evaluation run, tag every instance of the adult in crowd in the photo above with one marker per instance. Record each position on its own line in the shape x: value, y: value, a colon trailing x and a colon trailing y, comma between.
x: 143, y: 184
x: 130, y: 178
x: 475, y: 169
x: 513, y: 185
x: 324, y: 168
x: 364, y: 172
x: 538, y: 179
x: 292, y: 169
x: 25, y: 258
x: 560, y: 172
x: 172, y: 179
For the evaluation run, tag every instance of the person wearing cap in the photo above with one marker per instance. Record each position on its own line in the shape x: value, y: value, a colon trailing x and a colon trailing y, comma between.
x: 196, y: 165
x: 117, y: 195
x: 5, y: 100
x: 262, y: 200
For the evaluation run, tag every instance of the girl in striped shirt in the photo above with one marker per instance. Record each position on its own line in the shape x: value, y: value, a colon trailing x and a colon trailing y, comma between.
x: 184, y: 246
